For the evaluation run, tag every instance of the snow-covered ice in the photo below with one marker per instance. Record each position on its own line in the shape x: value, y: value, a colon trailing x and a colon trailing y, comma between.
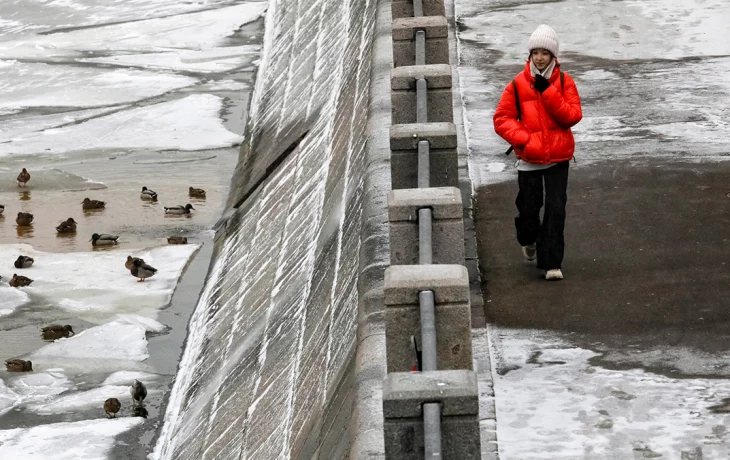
x: 8, y: 398
x: 10, y: 299
x: 149, y: 324
x: 127, y: 377
x: 87, y: 439
x: 108, y: 342
x: 74, y: 401
x: 40, y: 385
x: 190, y: 123
x: 66, y: 279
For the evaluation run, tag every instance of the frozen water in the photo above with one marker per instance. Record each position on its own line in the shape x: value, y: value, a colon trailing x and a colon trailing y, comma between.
x: 25, y: 85
x: 72, y: 402
x: 127, y: 377
x: 40, y: 385
x: 65, y: 279
x: 149, y: 324
x: 111, y: 341
x: 191, y: 123
x: 555, y: 398
x: 10, y: 299
x: 195, y: 31
x: 202, y: 61
x: 88, y: 439
x: 8, y: 398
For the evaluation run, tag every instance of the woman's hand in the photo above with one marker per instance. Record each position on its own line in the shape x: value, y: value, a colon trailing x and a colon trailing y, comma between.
x: 541, y: 83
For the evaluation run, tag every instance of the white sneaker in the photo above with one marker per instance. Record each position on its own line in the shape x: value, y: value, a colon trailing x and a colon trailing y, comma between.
x: 553, y: 275
x: 530, y: 252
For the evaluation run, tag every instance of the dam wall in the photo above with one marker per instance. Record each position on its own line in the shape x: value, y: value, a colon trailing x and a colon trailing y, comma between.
x: 270, y: 367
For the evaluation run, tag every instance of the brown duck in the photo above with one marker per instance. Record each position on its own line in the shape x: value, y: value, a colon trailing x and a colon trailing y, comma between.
x: 18, y: 365
x: 67, y: 226
x: 24, y: 219
x: 92, y: 204
x: 196, y: 192
x: 130, y: 262
x: 24, y: 262
x: 177, y: 240
x: 111, y: 407
x: 56, y: 331
x: 20, y: 281
x: 23, y: 177
x: 2, y: 208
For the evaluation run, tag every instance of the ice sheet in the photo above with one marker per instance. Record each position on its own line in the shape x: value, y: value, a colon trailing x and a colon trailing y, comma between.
x: 191, y: 123
x: 88, y: 439
x: 127, y: 377
x: 10, y: 299
x: 40, y: 385
x: 202, y: 61
x: 83, y: 399
x: 98, y: 281
x: 195, y: 31
x: 111, y: 341
x: 25, y: 85
x: 8, y: 398
x: 149, y: 324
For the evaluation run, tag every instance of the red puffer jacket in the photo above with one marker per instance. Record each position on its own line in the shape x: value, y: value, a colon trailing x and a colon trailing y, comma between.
x: 543, y: 134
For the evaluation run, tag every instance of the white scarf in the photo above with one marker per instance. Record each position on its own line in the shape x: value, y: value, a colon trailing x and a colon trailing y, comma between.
x: 545, y: 73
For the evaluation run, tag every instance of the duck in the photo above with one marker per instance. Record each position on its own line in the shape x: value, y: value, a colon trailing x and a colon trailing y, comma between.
x: 130, y: 262
x: 141, y: 270
x: 2, y: 208
x: 18, y: 365
x: 138, y: 391
x: 92, y: 204
x: 67, y: 226
x: 20, y: 281
x: 24, y: 262
x: 111, y: 407
x: 140, y: 411
x: 24, y: 219
x: 196, y: 192
x: 177, y: 240
x: 56, y: 331
x: 179, y: 209
x: 148, y: 194
x: 103, y: 239
x: 23, y: 177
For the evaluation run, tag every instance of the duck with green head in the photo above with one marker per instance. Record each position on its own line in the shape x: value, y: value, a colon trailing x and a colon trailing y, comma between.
x: 142, y: 271
x: 24, y: 262
x: 103, y: 239
x: 179, y: 210
x: 148, y: 194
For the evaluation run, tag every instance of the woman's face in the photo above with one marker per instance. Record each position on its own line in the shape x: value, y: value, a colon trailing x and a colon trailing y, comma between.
x: 541, y: 58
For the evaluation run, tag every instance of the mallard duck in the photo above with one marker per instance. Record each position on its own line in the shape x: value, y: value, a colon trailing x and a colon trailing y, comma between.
x: 23, y: 177
x: 2, y: 208
x: 130, y: 262
x: 56, y: 331
x: 179, y: 209
x: 24, y: 262
x: 111, y: 407
x: 141, y: 270
x: 103, y: 239
x: 18, y: 365
x: 24, y: 219
x: 19, y: 281
x: 140, y: 411
x: 92, y: 204
x: 196, y: 192
x: 148, y: 194
x: 138, y: 391
x: 67, y: 226
x: 177, y: 240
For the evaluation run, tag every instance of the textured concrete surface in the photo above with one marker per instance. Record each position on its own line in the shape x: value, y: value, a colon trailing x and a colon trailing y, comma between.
x: 405, y: 392
x: 441, y: 135
x: 436, y: 75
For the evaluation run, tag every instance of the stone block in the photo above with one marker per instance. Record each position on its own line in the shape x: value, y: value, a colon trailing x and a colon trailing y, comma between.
x: 436, y: 75
x: 447, y: 230
x: 434, y: 26
x: 404, y: 52
x: 440, y: 135
x: 439, y: 104
x: 452, y: 310
x: 403, y: 397
x: 444, y: 168
x: 404, y: 8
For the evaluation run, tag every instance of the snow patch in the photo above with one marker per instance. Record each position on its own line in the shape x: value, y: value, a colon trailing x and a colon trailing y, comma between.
x: 10, y: 299
x: 111, y: 341
x: 127, y: 377
x: 82, y: 399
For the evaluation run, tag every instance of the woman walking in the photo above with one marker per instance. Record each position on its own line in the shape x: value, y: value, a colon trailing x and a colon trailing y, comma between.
x: 535, y: 114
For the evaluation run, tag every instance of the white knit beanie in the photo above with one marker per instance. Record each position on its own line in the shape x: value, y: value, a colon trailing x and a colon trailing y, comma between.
x: 546, y: 38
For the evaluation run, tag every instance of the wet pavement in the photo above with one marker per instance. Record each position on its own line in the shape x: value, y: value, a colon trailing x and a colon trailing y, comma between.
x: 627, y: 357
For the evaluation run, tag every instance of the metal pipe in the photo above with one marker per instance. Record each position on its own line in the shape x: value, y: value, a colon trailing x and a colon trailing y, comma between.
x: 420, y: 47
x: 421, y: 101
x: 424, y: 164
x: 425, y: 248
x: 428, y: 330
x: 432, y: 430
x: 417, y: 8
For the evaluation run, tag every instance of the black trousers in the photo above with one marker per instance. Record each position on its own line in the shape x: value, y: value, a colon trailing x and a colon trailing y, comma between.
x: 548, y: 234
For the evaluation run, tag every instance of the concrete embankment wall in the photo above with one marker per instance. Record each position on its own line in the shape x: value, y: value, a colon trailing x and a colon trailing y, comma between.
x: 269, y: 369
